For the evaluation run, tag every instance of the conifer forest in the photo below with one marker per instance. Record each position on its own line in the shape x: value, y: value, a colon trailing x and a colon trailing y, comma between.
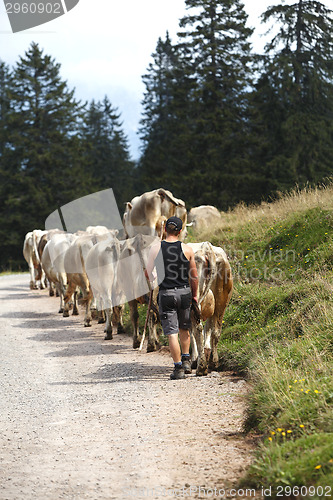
x: 220, y: 124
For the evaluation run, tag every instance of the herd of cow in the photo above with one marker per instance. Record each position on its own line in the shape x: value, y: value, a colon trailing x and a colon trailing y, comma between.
x: 107, y: 270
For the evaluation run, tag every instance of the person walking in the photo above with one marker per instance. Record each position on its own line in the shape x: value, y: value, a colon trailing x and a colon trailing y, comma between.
x: 176, y: 291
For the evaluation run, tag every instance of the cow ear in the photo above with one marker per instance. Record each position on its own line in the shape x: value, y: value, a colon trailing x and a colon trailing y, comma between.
x: 129, y: 205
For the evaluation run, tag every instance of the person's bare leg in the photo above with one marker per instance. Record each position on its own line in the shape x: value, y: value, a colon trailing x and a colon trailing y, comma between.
x: 185, y: 340
x: 174, y: 347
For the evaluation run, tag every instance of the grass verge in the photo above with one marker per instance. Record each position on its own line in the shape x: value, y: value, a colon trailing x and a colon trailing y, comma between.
x: 278, y: 331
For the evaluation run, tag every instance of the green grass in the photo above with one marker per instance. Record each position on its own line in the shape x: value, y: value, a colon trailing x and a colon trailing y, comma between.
x: 8, y: 273
x: 278, y: 332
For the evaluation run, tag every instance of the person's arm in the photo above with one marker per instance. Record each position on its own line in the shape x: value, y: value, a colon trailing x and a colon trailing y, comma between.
x: 151, y: 261
x: 193, y: 273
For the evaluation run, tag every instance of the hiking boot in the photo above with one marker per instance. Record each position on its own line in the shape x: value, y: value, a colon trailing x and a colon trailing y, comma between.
x: 178, y: 373
x: 186, y: 364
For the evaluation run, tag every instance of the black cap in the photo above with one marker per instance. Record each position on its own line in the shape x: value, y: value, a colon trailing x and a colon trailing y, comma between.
x: 174, y: 222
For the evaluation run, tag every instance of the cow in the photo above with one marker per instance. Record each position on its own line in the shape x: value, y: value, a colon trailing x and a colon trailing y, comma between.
x: 214, y: 293
x: 31, y: 255
x: 53, y: 262
x: 100, y: 266
x: 74, y: 263
x: 131, y: 285
x: 116, y: 273
x: 144, y: 214
x: 40, y: 248
x: 203, y: 216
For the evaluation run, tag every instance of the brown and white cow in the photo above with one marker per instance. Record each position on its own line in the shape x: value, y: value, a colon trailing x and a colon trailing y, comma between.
x: 144, y: 214
x: 203, y: 216
x: 214, y: 293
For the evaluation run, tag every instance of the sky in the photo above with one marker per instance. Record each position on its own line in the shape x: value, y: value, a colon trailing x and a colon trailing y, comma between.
x: 105, y: 46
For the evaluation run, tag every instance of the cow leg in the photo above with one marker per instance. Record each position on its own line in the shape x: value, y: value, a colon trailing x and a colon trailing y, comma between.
x: 215, y: 332
x: 108, y: 326
x: 101, y: 316
x: 33, y: 285
x: 120, y: 328
x: 42, y: 281
x: 207, y: 337
x: 61, y: 288
x: 153, y: 341
x: 88, y: 314
x: 194, y: 352
x: 116, y: 318
x: 51, y: 289
x: 133, y: 306
x: 199, y: 338
x: 61, y: 307
x: 75, y: 308
x: 67, y: 297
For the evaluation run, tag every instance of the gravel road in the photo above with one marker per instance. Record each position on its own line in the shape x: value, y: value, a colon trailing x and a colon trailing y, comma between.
x: 84, y: 418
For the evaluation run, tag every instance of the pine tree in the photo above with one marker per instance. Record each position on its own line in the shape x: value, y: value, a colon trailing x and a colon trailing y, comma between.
x: 294, y: 95
x: 164, y: 119
x: 217, y: 38
x: 42, y: 165
x: 107, y: 156
x: 195, y: 123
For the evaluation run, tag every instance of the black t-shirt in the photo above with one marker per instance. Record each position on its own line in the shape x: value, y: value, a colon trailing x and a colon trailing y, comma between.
x: 176, y: 265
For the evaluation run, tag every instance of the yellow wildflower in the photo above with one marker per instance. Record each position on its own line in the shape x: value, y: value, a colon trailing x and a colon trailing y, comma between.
x: 318, y: 467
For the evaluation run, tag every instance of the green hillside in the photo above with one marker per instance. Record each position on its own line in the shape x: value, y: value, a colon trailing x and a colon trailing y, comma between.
x: 278, y: 331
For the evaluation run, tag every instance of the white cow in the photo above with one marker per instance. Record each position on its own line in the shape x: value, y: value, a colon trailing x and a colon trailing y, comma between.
x: 100, y: 264
x: 30, y: 253
x: 203, y: 216
x: 53, y: 262
x: 75, y: 267
x: 116, y: 273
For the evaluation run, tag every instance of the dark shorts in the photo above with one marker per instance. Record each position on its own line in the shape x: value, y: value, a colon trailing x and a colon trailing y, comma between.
x: 175, y: 309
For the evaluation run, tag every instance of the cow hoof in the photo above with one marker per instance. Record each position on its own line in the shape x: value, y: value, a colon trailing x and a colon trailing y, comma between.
x: 51, y: 293
x: 75, y: 312
x: 121, y: 329
x: 87, y: 323
x: 194, y: 364
x: 108, y: 336
x: 136, y: 343
x: 57, y: 293
x: 201, y: 373
x: 153, y: 347
x: 65, y: 314
x: 213, y: 365
x: 202, y: 370
x: 101, y: 320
